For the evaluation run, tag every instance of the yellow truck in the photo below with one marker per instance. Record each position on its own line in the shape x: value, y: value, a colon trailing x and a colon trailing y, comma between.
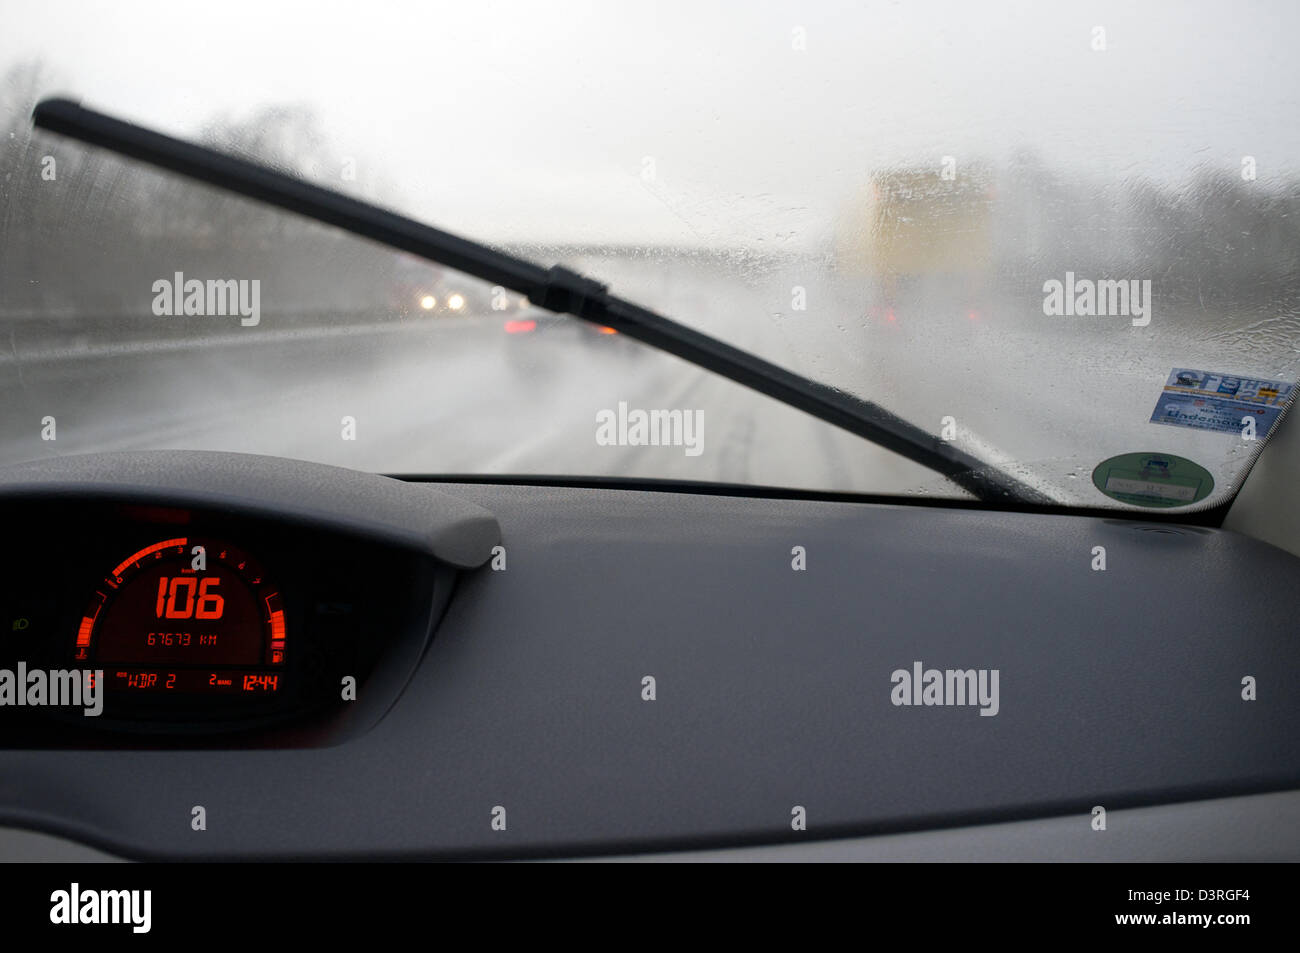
x: 913, y: 229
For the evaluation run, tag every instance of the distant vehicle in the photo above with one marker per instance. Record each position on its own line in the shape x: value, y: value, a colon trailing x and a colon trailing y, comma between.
x: 421, y: 288
x: 911, y: 227
x: 533, y: 333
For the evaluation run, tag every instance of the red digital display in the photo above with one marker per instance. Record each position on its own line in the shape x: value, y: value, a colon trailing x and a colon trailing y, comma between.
x: 186, y: 615
x: 187, y: 597
x: 191, y: 680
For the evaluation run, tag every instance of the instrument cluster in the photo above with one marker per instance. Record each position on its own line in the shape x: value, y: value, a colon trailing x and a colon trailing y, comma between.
x: 124, y: 622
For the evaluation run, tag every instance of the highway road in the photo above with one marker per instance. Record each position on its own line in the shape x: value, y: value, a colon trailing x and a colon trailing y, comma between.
x: 1045, y: 397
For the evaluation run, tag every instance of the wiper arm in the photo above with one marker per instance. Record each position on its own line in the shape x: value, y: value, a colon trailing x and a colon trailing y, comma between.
x: 556, y: 289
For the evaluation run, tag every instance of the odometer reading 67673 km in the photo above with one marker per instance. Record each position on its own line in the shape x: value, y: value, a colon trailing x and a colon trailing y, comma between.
x: 185, y: 615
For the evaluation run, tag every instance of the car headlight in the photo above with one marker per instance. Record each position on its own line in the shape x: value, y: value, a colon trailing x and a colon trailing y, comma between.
x: 428, y: 302
x: 456, y: 301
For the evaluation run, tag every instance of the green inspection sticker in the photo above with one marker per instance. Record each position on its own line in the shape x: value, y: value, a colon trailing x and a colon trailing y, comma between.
x: 1153, y: 479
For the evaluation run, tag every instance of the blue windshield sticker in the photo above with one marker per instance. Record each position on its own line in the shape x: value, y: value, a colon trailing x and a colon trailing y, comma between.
x: 1221, y: 402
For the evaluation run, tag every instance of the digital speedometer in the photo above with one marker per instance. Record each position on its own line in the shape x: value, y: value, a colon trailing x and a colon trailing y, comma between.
x: 185, y: 615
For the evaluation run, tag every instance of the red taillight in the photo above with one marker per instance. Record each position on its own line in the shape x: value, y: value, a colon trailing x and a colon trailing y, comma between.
x: 605, y: 330
x: 520, y: 327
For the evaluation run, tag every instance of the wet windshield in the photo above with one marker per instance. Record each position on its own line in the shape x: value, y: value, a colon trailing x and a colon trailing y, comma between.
x: 1066, y: 244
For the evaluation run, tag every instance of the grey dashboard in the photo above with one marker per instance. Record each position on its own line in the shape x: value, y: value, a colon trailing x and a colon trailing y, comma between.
x: 636, y: 671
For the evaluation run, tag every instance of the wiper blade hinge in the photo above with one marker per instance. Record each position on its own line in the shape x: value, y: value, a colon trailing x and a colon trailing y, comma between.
x: 567, y: 292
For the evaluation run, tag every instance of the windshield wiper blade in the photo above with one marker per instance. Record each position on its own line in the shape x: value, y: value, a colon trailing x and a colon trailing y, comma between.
x: 556, y: 289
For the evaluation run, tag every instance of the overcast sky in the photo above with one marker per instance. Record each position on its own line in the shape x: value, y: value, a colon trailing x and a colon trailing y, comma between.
x: 535, y: 120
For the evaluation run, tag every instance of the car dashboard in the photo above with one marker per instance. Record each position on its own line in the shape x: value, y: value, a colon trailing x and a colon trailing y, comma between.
x: 482, y: 671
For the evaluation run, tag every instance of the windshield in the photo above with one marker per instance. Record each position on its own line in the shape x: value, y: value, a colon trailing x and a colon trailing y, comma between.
x: 1065, y: 244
